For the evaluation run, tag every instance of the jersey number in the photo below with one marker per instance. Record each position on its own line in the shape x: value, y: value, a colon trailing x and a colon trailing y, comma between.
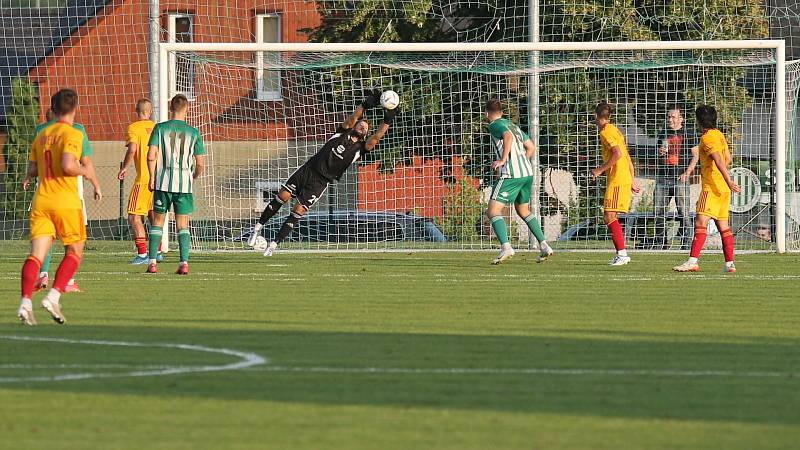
x: 176, y: 149
x: 48, y: 158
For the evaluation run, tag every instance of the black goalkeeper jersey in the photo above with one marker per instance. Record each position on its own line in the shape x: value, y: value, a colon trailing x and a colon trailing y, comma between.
x: 333, y: 159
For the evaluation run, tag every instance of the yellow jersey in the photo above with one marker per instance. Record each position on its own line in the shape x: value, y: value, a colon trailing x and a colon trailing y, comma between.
x: 56, y: 190
x: 139, y: 133
x: 620, y: 172
x: 713, y: 141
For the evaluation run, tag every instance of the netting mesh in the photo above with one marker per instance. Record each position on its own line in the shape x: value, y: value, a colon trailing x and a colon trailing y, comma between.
x: 428, y: 182
x: 100, y: 47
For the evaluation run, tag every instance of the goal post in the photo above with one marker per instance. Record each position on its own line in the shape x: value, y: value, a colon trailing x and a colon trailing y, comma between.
x: 215, y: 63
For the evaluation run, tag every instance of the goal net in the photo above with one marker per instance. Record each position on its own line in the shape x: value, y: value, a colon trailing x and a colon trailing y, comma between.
x: 264, y: 112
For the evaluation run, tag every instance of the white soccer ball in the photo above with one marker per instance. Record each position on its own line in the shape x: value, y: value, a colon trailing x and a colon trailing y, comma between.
x: 390, y: 99
x: 261, y: 243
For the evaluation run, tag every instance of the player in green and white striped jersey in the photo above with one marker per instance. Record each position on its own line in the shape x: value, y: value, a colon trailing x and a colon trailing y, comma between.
x: 514, y: 152
x: 175, y: 158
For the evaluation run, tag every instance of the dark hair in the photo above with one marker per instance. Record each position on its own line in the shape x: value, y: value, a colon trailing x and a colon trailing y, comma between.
x: 141, y: 103
x: 64, y: 101
x: 49, y: 115
x: 493, y: 106
x: 674, y: 107
x: 603, y: 110
x: 178, y: 103
x: 706, y: 116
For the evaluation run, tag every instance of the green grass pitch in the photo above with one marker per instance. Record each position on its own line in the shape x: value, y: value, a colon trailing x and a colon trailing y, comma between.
x: 407, y: 351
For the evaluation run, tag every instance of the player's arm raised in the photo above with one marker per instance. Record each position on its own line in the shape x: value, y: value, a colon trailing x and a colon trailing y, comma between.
x: 371, y: 99
x: 722, y: 165
x: 507, y: 139
x: 388, y: 116
x: 152, y: 156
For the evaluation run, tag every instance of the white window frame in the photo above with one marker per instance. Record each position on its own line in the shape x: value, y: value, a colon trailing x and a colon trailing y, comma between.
x: 261, y: 94
x: 172, y: 34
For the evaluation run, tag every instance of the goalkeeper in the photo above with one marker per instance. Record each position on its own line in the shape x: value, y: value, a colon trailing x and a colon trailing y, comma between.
x: 309, y: 182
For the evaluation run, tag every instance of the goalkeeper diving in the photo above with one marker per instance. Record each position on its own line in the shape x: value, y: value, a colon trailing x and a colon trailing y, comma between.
x: 308, y: 183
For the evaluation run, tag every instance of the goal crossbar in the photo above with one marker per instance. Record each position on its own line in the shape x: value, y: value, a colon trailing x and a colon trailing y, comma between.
x: 778, y: 46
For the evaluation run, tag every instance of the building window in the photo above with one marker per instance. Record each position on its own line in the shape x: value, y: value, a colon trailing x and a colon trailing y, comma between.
x: 268, y: 80
x: 182, y: 74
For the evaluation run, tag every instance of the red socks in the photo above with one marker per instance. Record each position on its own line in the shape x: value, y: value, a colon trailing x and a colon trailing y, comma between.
x: 67, y: 268
x: 727, y: 244
x: 30, y: 272
x: 616, y: 234
x: 699, y: 241
x: 141, y: 245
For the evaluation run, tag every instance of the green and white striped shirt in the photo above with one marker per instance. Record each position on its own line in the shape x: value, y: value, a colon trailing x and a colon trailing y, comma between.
x: 518, y: 165
x: 178, y: 143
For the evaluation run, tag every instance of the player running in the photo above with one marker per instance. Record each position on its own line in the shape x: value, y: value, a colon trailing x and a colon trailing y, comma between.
x: 175, y: 158
x: 309, y: 182
x: 56, y: 211
x: 617, y: 163
x: 140, y: 200
x: 715, y: 197
x: 514, y: 152
x: 85, y: 160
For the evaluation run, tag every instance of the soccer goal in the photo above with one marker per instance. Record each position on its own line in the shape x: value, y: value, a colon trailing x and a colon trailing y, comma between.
x: 264, y: 109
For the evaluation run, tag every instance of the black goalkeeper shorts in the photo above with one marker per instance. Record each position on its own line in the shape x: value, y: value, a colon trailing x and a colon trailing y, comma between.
x: 306, y: 185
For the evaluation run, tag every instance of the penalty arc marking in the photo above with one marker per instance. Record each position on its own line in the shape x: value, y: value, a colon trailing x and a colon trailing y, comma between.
x: 244, y: 360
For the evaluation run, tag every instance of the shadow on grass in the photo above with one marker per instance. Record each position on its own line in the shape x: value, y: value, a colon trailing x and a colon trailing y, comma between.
x: 610, y: 377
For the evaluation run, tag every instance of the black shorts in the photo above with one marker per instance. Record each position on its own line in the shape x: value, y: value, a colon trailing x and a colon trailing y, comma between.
x: 306, y: 185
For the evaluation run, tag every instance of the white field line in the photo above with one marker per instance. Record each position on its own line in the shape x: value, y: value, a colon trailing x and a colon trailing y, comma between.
x: 252, y: 362
x: 529, y: 371
x: 245, y: 360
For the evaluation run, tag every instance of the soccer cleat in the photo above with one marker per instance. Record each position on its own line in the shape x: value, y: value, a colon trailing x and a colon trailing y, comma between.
x: 251, y: 241
x: 687, y: 267
x: 137, y: 260
x: 729, y: 268
x: 41, y: 283
x: 151, y: 268
x: 73, y: 287
x: 55, y: 311
x: 183, y: 268
x: 544, y: 253
x: 619, y: 260
x: 270, y: 248
x: 505, y: 253
x: 159, y: 257
x: 25, y: 316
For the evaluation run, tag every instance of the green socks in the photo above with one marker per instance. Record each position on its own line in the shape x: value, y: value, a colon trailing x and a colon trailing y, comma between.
x: 46, y: 263
x: 535, y: 227
x: 500, y: 229
x: 185, y: 242
x: 153, y: 241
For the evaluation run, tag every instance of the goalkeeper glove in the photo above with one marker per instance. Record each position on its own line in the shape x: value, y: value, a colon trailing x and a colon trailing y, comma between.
x: 372, y: 98
x: 388, y: 115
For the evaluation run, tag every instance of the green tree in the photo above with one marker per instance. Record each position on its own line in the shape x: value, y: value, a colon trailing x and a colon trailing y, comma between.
x: 22, y: 117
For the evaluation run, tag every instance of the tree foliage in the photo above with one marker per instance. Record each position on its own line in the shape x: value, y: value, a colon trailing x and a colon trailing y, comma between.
x: 23, y: 115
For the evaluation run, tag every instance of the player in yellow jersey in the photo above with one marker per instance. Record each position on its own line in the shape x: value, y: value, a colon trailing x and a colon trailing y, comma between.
x: 140, y: 201
x: 57, y: 211
x: 715, y: 198
x: 619, y: 169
